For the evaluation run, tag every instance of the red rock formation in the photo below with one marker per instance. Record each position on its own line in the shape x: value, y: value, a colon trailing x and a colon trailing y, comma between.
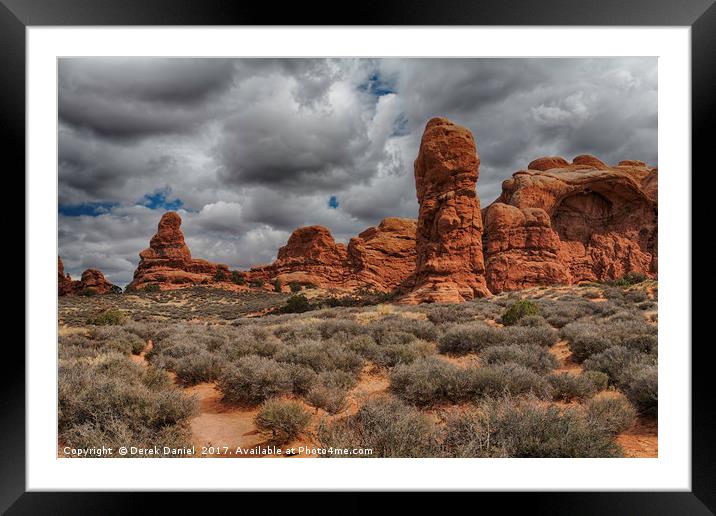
x: 580, y: 222
x: 383, y: 257
x: 449, y: 264
x: 380, y: 258
x: 168, y: 262
x: 311, y: 256
x: 92, y: 281
x: 64, y: 281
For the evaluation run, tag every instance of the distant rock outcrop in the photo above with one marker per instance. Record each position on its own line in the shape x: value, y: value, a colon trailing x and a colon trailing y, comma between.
x: 561, y: 223
x: 168, y: 264
x: 64, y: 281
x: 92, y: 282
x: 449, y: 265
x: 380, y: 258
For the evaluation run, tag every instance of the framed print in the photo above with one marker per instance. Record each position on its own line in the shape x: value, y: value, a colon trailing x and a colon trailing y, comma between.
x: 425, y: 245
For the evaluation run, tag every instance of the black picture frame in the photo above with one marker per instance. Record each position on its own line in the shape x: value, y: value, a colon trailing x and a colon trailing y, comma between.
x: 17, y: 15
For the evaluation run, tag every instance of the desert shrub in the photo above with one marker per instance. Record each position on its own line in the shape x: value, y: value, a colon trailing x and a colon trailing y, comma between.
x: 321, y: 356
x: 152, y: 288
x: 629, y: 279
x: 285, y: 419
x: 615, y: 361
x: 249, y: 344
x: 642, y: 343
x: 107, y: 317
x: 584, y: 346
x: 426, y: 382
x: 527, y: 428
x: 441, y: 314
x: 589, y: 336
x: 96, y: 393
x: 296, y: 305
x: 532, y: 356
x: 237, y: 278
x: 331, y: 327
x: 467, y: 434
x: 302, y: 377
x: 293, y: 333
x: 390, y: 355
x: 469, y: 338
x: 431, y: 381
x: 532, y: 321
x: 385, y: 425
x: 559, y: 313
x: 257, y: 283
x: 419, y: 329
x: 577, y: 386
x: 364, y: 345
x: 294, y: 286
x: 541, y: 335
x: 87, y: 292
x: 509, y: 378
x: 117, y: 338
x: 640, y: 383
x: 197, y: 368
x: 277, y: 285
x: 332, y: 399
x: 517, y: 311
x: 612, y: 413
x: 252, y: 379
x: 592, y: 294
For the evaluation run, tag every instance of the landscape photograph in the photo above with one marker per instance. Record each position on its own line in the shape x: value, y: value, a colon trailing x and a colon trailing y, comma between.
x: 357, y: 258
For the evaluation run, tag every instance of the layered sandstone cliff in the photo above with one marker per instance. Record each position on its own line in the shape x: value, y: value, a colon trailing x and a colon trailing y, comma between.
x: 562, y: 223
x: 379, y: 258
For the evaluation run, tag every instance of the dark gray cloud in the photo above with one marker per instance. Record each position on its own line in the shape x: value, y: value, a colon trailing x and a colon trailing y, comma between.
x: 252, y: 148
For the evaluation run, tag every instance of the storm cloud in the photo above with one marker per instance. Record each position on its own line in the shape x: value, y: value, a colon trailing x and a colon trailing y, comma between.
x: 249, y: 149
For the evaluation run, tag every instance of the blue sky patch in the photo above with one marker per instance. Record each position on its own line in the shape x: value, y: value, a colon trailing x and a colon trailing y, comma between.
x: 377, y: 86
x: 92, y: 209
x: 158, y: 200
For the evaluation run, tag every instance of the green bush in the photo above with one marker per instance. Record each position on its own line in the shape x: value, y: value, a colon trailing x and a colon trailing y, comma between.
x: 518, y: 310
x: 294, y: 286
x: 277, y: 286
x: 257, y: 283
x: 386, y: 426
x: 531, y: 356
x: 612, y: 413
x: 237, y: 278
x: 219, y: 275
x: 253, y: 379
x: 629, y: 279
x: 152, y: 288
x: 297, y: 304
x: 107, y: 317
x: 284, y: 419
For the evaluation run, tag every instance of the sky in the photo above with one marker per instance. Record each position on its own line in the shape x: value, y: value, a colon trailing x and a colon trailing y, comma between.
x: 247, y: 150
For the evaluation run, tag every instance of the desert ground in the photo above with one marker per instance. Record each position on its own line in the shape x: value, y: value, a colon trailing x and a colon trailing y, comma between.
x: 541, y: 372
